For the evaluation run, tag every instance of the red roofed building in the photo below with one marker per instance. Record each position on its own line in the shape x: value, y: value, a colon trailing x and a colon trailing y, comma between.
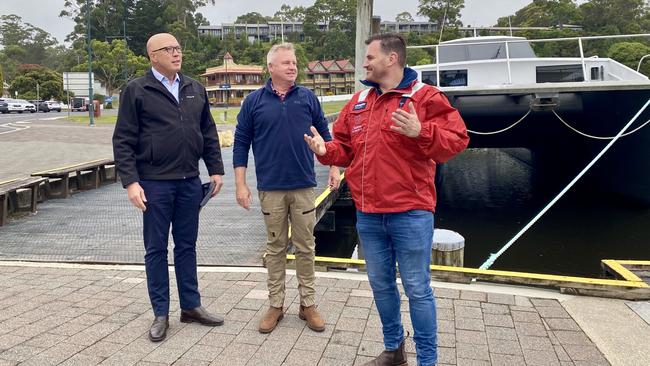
x: 332, y: 77
x: 230, y: 83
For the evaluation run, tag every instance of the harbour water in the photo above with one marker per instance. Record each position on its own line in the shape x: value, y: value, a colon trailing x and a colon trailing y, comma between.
x: 488, y: 195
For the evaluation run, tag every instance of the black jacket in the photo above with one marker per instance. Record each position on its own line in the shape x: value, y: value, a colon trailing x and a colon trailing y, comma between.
x: 158, y: 138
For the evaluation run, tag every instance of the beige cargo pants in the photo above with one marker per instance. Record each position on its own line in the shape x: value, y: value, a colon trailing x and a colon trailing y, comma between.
x: 280, y: 208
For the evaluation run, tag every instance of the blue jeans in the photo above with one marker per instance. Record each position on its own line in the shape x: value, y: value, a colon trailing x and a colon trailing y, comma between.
x: 172, y: 203
x: 404, y: 238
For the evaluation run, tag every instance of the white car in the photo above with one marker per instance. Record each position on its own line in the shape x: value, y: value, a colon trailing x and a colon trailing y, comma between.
x: 14, y: 105
x: 53, y: 105
x: 29, y: 107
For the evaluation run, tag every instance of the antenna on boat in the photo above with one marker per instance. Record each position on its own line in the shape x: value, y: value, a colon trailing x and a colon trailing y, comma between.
x: 444, y: 20
x: 510, y: 25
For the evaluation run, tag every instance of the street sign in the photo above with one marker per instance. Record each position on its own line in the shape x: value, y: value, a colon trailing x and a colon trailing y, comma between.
x: 224, y: 86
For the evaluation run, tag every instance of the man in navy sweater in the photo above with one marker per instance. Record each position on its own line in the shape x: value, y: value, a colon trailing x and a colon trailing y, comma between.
x: 273, y: 119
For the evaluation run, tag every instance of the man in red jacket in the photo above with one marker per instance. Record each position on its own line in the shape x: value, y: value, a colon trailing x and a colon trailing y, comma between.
x: 390, y: 138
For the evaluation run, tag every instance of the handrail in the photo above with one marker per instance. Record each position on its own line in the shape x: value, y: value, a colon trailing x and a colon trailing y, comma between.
x: 536, y: 40
x: 507, y: 45
x: 641, y: 61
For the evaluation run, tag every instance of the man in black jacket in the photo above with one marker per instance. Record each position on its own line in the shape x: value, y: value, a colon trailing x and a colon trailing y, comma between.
x: 163, y: 128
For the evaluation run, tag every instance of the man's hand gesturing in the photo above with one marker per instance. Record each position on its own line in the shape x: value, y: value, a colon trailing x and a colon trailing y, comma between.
x: 316, y: 143
x: 406, y: 123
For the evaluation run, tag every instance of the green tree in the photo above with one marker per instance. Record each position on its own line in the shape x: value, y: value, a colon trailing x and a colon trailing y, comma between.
x: 23, y: 42
x: 614, y: 16
x: 543, y: 13
x: 2, y: 82
x: 252, y: 18
x: 109, y: 64
x: 404, y: 17
x: 49, y: 81
x: 442, y: 11
x: 289, y: 14
x: 629, y: 54
x: 338, y: 41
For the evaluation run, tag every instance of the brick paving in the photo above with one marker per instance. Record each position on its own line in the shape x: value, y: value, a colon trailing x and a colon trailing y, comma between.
x: 100, y: 316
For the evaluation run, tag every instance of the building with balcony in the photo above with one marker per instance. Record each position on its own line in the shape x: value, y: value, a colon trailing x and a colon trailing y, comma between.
x: 258, y: 32
x: 331, y: 77
x: 230, y: 83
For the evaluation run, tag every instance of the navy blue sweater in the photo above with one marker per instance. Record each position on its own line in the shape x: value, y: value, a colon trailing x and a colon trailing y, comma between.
x: 275, y: 128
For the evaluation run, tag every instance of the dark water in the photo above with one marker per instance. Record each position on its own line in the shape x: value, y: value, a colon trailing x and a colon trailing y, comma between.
x: 488, y: 195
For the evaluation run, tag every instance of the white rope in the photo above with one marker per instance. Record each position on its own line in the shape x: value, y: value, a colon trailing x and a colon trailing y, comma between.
x: 499, y: 131
x: 494, y: 256
x: 599, y: 137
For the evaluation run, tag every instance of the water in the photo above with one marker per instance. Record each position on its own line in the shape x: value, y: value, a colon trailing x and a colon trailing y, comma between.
x: 488, y: 195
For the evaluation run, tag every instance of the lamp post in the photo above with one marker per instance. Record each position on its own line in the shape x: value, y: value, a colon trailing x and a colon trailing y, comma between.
x: 38, y: 99
x: 90, y: 70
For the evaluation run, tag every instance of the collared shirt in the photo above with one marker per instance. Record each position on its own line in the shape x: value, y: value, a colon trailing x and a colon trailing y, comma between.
x: 281, y: 95
x: 173, y: 88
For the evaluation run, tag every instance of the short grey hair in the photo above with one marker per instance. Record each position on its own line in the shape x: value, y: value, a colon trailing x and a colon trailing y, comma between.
x: 281, y: 46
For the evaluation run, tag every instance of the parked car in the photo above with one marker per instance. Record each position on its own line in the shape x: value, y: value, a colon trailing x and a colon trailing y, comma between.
x: 53, y: 105
x: 40, y: 105
x: 27, y: 106
x: 4, y: 107
x: 13, y: 105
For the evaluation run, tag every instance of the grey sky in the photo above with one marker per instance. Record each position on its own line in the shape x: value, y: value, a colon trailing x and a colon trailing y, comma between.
x: 45, y: 13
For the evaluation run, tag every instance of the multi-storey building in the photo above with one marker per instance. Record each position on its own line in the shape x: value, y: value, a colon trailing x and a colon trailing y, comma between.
x: 258, y: 32
x: 230, y: 83
x: 331, y: 77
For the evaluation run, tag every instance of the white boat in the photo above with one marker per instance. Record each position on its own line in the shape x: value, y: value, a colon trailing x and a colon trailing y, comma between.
x: 564, y: 109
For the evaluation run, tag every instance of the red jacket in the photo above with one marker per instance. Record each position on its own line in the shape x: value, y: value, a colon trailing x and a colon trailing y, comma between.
x: 387, y: 171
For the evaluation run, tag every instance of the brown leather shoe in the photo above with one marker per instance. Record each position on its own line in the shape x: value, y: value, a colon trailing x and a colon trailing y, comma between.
x: 390, y: 358
x: 158, y: 330
x: 201, y: 316
x: 271, y: 319
x: 314, y: 321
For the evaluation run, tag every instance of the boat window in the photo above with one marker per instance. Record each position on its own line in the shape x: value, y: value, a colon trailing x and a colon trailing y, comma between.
x: 489, y: 51
x: 447, y: 77
x: 559, y: 74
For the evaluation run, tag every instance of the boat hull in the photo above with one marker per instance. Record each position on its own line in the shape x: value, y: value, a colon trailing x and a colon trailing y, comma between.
x: 623, y: 170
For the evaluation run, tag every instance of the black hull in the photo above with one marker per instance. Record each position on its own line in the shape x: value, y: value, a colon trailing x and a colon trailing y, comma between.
x: 624, y: 170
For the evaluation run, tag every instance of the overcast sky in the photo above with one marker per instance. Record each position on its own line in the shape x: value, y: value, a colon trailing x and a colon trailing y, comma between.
x: 45, y: 13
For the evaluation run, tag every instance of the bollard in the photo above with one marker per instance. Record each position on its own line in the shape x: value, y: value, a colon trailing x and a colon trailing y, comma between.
x: 448, y: 248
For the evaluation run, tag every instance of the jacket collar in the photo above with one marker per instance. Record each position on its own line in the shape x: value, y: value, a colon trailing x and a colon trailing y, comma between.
x: 269, y: 87
x: 410, y: 76
x: 152, y: 81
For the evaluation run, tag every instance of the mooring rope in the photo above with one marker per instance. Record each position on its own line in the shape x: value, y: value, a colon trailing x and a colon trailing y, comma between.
x: 502, y: 130
x: 494, y: 256
x: 598, y: 137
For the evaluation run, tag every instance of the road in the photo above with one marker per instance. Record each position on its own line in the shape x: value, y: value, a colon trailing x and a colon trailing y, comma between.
x: 38, y: 141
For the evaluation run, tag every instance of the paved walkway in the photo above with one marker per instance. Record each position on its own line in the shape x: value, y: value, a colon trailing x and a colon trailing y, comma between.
x: 88, y: 315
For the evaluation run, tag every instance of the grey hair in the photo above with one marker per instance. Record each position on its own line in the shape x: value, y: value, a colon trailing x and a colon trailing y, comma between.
x: 281, y: 46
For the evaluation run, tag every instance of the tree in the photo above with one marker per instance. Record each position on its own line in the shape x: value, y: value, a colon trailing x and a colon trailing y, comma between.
x: 441, y: 12
x: 614, y: 16
x: 108, y: 64
x: 404, y: 17
x: 288, y: 14
x: 23, y: 42
x: 340, y: 18
x: 629, y: 54
x: 49, y: 81
x: 252, y: 18
x: 543, y: 13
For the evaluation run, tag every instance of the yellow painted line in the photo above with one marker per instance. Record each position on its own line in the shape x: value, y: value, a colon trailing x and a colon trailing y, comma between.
x: 326, y: 192
x: 66, y: 167
x: 491, y: 272
x: 618, y: 268
x: 634, y: 262
x: 8, y: 181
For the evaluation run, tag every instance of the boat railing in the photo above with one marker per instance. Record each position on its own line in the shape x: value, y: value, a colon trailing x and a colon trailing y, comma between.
x: 539, y: 40
x: 641, y: 62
